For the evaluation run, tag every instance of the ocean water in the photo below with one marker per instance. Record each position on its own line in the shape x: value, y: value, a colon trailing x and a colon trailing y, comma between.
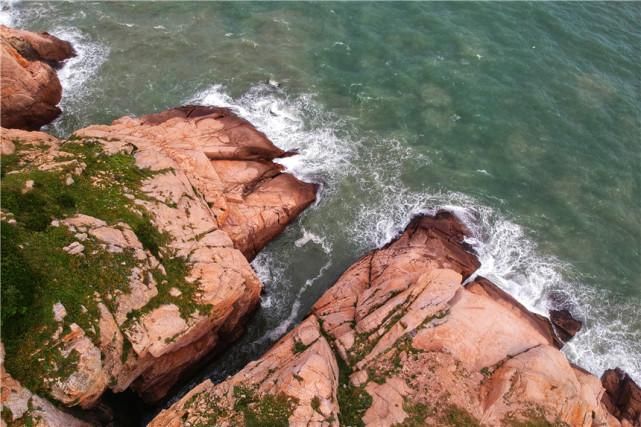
x: 523, y: 118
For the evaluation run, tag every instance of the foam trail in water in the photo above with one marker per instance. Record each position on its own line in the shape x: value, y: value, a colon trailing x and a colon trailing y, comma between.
x: 270, y: 271
x: 283, y: 327
x: 7, y: 14
x: 308, y: 236
x: 264, y: 273
x: 76, y: 73
x: 291, y: 123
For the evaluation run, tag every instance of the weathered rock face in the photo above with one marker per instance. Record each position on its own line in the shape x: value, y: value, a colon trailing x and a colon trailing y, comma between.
x: 227, y: 160
x: 622, y: 397
x: 413, y: 346
x: 151, y: 222
x: 21, y: 404
x: 30, y: 88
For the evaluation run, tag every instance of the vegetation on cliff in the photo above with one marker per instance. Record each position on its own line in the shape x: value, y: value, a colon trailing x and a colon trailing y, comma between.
x: 38, y: 273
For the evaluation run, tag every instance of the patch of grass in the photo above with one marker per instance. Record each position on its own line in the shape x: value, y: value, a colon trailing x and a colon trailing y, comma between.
x: 10, y: 162
x: 206, y: 411
x: 299, y: 347
x: 533, y: 417
x: 377, y: 375
x: 263, y: 411
x: 417, y: 414
x: 315, y: 404
x: 37, y: 273
x: 459, y: 417
x: 352, y: 401
x: 176, y: 269
x: 362, y: 347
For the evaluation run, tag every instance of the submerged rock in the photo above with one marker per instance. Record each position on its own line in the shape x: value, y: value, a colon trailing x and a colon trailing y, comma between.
x: 30, y: 87
x: 170, y: 208
x: 399, y: 340
x: 566, y: 326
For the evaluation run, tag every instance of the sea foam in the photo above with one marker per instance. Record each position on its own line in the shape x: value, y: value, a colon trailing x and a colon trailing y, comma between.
x: 384, y: 205
x: 292, y: 123
x: 77, y: 72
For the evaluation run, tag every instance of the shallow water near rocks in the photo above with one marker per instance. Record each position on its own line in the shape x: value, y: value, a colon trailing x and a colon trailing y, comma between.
x: 523, y: 118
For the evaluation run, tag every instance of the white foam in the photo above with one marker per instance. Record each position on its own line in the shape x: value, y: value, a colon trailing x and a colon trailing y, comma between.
x: 291, y: 123
x: 308, y: 236
x: 383, y: 206
x: 9, y: 14
x: 77, y: 72
x: 275, y: 333
x: 269, y: 271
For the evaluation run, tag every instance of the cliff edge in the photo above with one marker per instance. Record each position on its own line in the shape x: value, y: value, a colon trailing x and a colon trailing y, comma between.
x: 126, y: 248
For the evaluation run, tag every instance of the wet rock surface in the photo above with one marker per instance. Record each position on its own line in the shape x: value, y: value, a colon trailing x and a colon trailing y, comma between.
x: 565, y: 325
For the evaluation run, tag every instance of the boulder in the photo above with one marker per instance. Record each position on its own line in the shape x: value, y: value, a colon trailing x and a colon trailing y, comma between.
x: 413, y: 346
x: 565, y: 325
x: 30, y: 87
x: 622, y: 396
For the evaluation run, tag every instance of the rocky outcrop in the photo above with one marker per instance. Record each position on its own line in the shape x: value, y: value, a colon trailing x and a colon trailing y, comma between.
x: 622, y: 397
x: 565, y: 325
x: 152, y: 221
x: 30, y: 88
x: 406, y: 336
x: 228, y: 161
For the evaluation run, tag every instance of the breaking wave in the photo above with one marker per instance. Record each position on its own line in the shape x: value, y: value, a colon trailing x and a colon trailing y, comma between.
x: 378, y: 205
x: 76, y: 73
x: 292, y: 123
x: 511, y: 260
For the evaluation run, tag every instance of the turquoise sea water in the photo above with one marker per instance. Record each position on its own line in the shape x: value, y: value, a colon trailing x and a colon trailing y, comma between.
x: 524, y: 118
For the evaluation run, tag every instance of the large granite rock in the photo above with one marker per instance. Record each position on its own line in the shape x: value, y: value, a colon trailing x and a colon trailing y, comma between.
x: 30, y: 87
x: 399, y: 340
x: 227, y: 160
x: 205, y: 186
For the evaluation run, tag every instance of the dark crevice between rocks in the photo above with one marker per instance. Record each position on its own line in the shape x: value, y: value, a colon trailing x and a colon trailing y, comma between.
x: 193, y: 375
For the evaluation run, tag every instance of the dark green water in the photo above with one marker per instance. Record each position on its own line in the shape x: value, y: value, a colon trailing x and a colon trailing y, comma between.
x: 525, y: 118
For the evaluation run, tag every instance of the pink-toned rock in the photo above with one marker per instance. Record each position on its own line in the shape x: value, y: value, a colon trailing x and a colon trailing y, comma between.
x: 226, y: 159
x: 29, y: 85
x: 419, y: 348
x: 210, y: 224
x: 303, y: 382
